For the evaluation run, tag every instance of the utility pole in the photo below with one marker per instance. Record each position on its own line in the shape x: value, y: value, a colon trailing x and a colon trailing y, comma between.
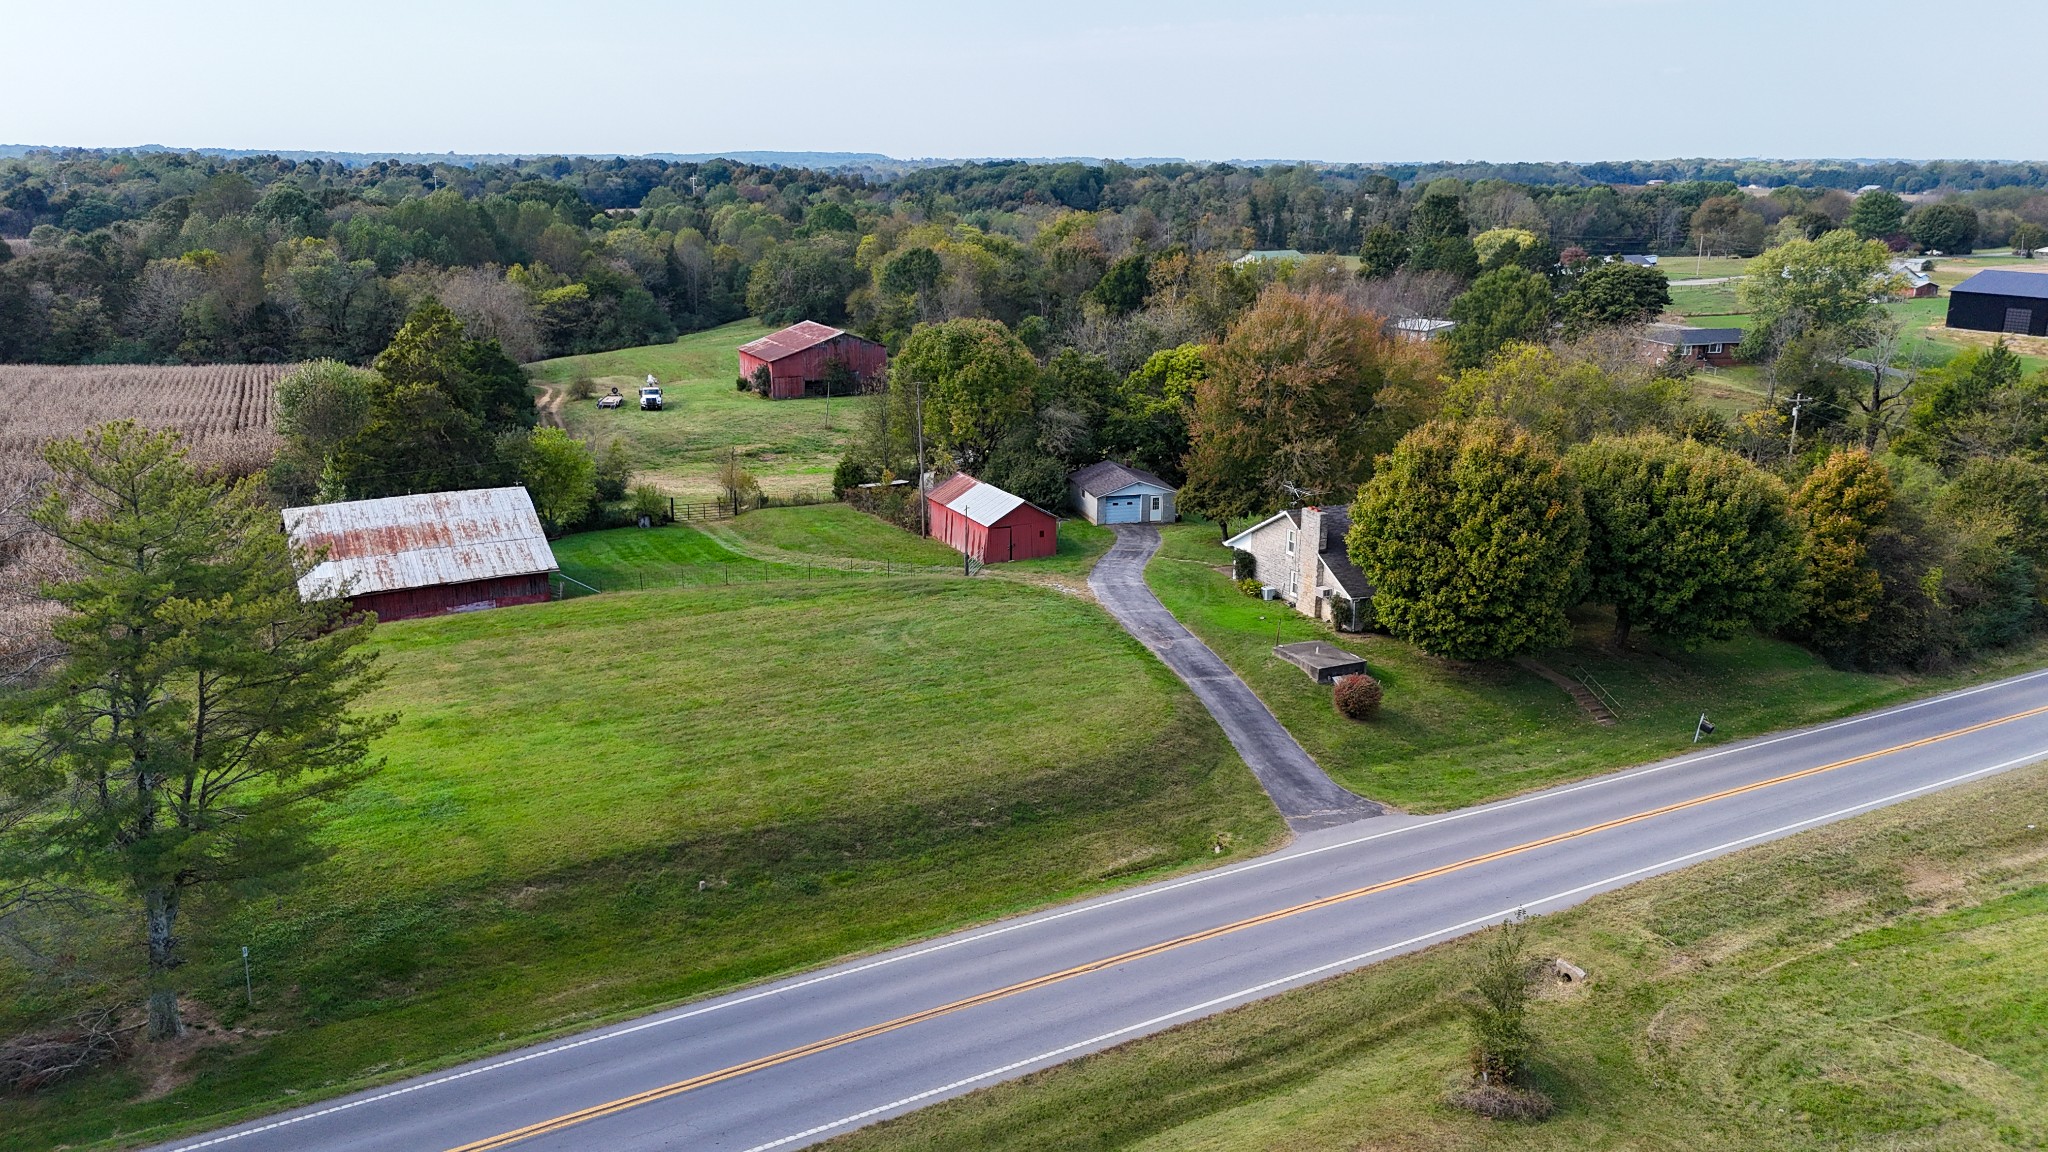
x: 917, y: 400
x: 1797, y: 400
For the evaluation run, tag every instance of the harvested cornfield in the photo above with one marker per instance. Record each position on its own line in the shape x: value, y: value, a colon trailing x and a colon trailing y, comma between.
x: 225, y: 411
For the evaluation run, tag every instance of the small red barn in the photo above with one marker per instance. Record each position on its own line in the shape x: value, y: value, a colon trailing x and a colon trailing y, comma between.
x: 796, y: 358
x: 989, y: 524
x: 425, y: 555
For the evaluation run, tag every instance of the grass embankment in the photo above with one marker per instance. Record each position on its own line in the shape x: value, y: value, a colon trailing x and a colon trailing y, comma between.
x: 830, y: 533
x: 599, y: 806
x: 1454, y: 734
x: 789, y: 445
x: 1876, y: 984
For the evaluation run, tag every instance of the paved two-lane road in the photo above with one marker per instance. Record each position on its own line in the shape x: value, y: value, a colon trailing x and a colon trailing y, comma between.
x: 800, y: 1060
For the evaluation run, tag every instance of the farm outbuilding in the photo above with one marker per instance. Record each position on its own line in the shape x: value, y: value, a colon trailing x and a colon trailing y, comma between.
x: 798, y: 359
x: 989, y: 524
x: 2001, y: 300
x: 1111, y: 493
x: 408, y: 556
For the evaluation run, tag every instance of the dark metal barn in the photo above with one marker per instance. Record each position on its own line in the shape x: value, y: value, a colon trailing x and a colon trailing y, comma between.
x: 2001, y: 300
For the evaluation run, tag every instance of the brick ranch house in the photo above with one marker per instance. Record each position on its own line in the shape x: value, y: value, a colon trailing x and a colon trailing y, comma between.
x: 1715, y: 346
x: 426, y: 555
x: 798, y: 358
x: 1300, y: 554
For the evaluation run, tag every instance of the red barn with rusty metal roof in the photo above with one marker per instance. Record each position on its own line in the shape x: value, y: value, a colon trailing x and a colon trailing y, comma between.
x: 425, y: 555
x: 989, y: 524
x: 796, y: 358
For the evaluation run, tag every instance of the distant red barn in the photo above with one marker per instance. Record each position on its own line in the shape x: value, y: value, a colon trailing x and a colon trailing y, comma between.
x: 796, y: 358
x: 989, y: 524
x: 425, y: 555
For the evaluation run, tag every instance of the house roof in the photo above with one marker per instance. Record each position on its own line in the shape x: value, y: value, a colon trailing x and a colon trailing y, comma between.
x: 1292, y: 516
x: 1258, y: 255
x: 982, y: 503
x: 1422, y: 324
x: 1676, y: 335
x: 419, y: 541
x: 945, y: 490
x: 1106, y: 476
x: 2006, y: 282
x: 1336, y: 558
x: 791, y: 340
x: 1639, y: 261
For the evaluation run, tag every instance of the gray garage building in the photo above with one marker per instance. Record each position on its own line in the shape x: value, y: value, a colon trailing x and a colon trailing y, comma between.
x: 1113, y: 493
x: 2001, y: 300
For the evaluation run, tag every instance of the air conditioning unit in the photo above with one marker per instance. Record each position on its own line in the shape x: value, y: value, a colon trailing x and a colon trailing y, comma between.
x: 1268, y: 592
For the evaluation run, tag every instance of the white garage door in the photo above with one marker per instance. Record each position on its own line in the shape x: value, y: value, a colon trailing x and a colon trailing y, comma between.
x: 1122, y: 509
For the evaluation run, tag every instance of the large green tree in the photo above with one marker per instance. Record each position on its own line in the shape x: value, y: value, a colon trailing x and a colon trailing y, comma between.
x: 560, y: 473
x: 976, y: 381
x: 1876, y: 215
x: 1690, y: 542
x: 1826, y: 284
x: 1615, y: 292
x: 1568, y: 398
x: 1296, y: 401
x: 439, y: 404
x: 202, y: 715
x: 1504, y: 305
x: 1949, y: 227
x: 1979, y: 404
x: 1474, y: 537
x: 1839, y: 508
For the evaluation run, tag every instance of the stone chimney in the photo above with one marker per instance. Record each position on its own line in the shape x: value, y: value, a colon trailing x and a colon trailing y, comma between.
x: 1308, y: 557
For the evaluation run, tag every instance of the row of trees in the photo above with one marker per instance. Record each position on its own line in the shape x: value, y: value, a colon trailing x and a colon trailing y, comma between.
x: 169, y: 257
x: 437, y: 410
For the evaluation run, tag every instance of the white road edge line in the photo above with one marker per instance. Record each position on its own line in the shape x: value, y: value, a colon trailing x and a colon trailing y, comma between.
x: 1247, y: 994
x: 1281, y: 857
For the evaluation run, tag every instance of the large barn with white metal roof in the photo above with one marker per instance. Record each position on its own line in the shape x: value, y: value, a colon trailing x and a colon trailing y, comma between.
x: 425, y: 555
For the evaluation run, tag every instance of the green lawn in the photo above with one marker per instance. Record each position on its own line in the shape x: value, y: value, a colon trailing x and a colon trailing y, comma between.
x: 599, y: 806
x: 1705, y: 300
x: 829, y: 533
x: 1454, y: 734
x: 1880, y: 984
x: 790, y: 445
x: 1695, y: 268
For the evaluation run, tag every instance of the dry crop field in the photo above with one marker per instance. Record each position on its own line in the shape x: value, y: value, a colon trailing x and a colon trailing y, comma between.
x: 225, y: 411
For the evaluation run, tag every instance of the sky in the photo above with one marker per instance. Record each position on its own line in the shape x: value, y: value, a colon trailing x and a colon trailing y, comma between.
x: 1499, y: 80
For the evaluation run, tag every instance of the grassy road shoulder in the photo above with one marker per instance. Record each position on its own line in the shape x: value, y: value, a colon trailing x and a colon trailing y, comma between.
x: 1876, y: 984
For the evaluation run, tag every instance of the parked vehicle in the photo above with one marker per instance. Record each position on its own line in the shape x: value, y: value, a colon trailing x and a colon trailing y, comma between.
x: 650, y: 399
x: 611, y: 399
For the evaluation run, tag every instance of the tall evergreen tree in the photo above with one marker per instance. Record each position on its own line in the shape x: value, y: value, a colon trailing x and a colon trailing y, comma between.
x: 202, y: 715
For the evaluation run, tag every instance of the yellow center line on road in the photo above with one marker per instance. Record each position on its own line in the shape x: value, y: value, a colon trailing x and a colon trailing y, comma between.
x: 597, y: 1111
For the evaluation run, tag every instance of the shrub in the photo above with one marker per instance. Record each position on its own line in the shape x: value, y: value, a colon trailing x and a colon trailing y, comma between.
x: 1243, y: 565
x: 582, y: 388
x: 1250, y: 587
x: 648, y: 501
x: 850, y: 473
x: 1357, y: 697
x: 759, y: 381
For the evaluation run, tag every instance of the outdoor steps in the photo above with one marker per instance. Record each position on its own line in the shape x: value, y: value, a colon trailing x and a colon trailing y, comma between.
x: 1578, y: 692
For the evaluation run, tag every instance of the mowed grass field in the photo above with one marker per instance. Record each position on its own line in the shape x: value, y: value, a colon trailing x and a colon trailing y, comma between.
x: 1453, y: 734
x: 1879, y: 984
x: 789, y: 445
x: 598, y: 806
